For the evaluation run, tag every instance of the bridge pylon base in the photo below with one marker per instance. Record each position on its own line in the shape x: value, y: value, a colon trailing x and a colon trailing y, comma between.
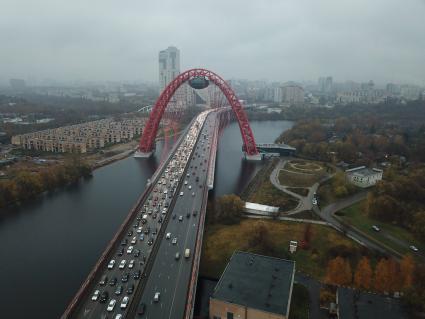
x: 256, y: 157
x: 138, y: 154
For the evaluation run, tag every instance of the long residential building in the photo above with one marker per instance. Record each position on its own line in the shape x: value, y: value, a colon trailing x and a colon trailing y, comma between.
x: 81, y: 138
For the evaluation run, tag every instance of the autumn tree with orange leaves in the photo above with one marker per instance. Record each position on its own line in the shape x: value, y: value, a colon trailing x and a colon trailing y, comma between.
x: 363, y: 275
x: 338, y: 272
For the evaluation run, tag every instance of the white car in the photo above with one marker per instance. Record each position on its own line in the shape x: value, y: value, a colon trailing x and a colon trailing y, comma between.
x: 181, y: 193
x: 130, y: 249
x: 131, y: 264
x: 111, y: 305
x: 185, y: 182
x: 174, y: 241
x: 193, y: 194
x: 168, y: 236
x: 190, y: 187
x: 139, y: 230
x: 111, y: 264
x: 376, y: 228
x: 156, y: 297
x: 414, y: 248
x: 124, y: 302
x: 95, y: 295
x: 122, y: 264
x: 133, y: 241
x: 180, y: 218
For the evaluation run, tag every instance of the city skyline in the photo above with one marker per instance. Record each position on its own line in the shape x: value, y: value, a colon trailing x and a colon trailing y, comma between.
x: 274, y: 41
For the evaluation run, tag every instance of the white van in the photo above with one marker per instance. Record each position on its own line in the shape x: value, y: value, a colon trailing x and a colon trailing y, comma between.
x: 187, y: 253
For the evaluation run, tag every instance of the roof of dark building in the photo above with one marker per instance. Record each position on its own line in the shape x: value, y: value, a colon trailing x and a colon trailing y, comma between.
x: 257, y: 281
x: 360, y: 305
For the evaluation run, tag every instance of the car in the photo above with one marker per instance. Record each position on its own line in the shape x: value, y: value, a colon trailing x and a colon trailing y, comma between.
x: 181, y: 193
x: 142, y: 237
x: 187, y: 253
x: 139, y: 230
x: 113, y: 281
x: 174, y: 241
x: 122, y: 264
x: 130, y: 249
x: 136, y: 274
x: 193, y: 193
x: 147, y: 230
x: 131, y: 264
x: 136, y: 252
x: 185, y: 182
x: 95, y: 295
x: 125, y: 277
x: 314, y: 201
x: 111, y: 264
x: 124, y: 242
x: 159, y: 220
x: 177, y: 256
x: 120, y: 252
x: 174, y: 216
x: 130, y: 233
x: 156, y: 297
x: 194, y: 213
x: 190, y: 187
x: 124, y: 302
x: 118, y: 316
x: 103, y: 280
x: 150, y: 241
x: 376, y: 228
x: 111, y: 305
x: 180, y: 218
x: 130, y: 289
x: 142, y: 309
x: 134, y: 240
x: 103, y: 297
x: 119, y: 290
x: 168, y: 236
x: 414, y: 248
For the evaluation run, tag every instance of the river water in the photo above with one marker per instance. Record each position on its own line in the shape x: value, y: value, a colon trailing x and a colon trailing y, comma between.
x: 48, y: 246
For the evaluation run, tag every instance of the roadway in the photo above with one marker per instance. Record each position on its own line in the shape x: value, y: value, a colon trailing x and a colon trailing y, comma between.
x: 144, y: 233
x: 170, y: 276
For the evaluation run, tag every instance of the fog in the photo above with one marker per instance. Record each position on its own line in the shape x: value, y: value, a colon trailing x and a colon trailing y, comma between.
x: 277, y: 40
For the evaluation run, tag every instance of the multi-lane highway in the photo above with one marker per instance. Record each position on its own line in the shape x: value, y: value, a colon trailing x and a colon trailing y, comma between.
x: 144, y: 261
x: 170, y: 274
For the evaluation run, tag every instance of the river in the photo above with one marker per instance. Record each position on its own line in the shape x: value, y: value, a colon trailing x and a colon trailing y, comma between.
x: 49, y: 245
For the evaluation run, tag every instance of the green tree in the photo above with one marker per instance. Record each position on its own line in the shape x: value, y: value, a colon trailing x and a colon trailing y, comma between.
x: 228, y: 209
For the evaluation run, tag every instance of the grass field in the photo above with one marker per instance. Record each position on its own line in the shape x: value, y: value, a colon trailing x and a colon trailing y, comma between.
x: 298, y: 190
x: 291, y: 179
x: 220, y: 241
x: 355, y: 215
x: 267, y: 194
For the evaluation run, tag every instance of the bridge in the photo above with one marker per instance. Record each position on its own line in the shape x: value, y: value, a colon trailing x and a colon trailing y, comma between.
x: 150, y: 267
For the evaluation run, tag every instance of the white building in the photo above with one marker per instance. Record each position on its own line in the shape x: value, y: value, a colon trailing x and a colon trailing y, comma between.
x: 363, y: 176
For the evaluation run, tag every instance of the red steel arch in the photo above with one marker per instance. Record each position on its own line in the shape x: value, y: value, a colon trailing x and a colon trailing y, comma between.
x: 149, y: 133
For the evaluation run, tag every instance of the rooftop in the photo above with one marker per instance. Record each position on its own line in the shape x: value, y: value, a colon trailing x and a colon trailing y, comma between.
x: 354, y: 305
x: 363, y: 171
x: 260, y: 207
x: 257, y: 281
x: 269, y: 145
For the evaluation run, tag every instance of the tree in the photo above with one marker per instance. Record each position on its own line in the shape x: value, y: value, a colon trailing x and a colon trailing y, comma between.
x: 418, y: 226
x: 387, y: 276
x: 407, y: 270
x: 363, y: 274
x: 260, y: 238
x: 338, y: 272
x: 228, y: 209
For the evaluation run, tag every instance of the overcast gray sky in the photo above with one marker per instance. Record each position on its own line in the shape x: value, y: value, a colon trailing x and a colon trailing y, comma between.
x: 278, y: 40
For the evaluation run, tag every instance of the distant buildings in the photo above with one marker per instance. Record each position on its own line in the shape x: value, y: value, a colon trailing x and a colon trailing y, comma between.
x: 18, y: 84
x: 363, y: 176
x: 290, y: 93
x: 81, y: 138
x: 169, y: 68
x: 253, y: 286
x: 325, y: 84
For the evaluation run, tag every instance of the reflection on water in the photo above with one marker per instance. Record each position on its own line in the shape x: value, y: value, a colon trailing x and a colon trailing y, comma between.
x: 49, y: 245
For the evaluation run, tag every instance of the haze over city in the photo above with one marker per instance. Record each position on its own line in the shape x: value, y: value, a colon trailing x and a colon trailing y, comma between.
x: 273, y: 40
